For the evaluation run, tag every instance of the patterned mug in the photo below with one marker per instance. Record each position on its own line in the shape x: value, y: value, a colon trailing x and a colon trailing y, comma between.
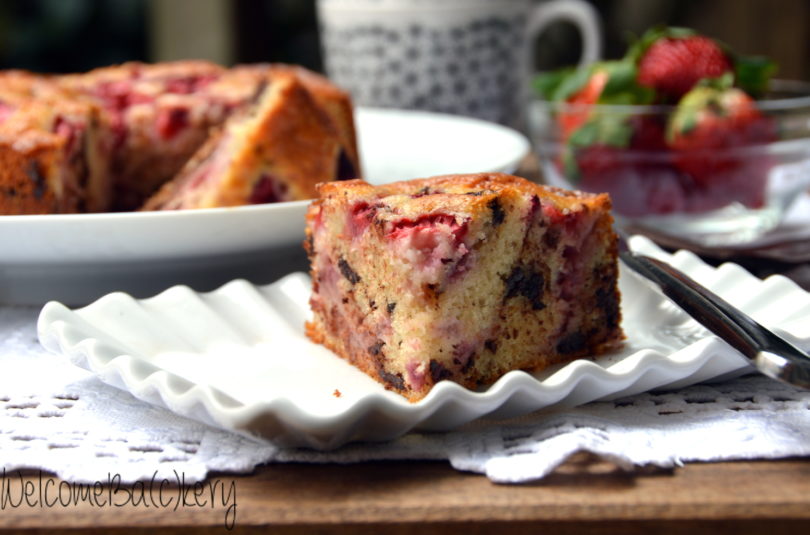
x: 466, y: 57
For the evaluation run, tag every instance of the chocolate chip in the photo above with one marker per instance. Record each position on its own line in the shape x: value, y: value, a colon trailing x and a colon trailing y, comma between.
x: 572, y: 343
x: 498, y: 215
x: 392, y: 380
x: 376, y: 347
x: 607, y: 299
x: 491, y: 345
x: 551, y: 238
x: 35, y: 174
x: 469, y: 364
x: 390, y: 307
x: 525, y: 282
x: 347, y: 271
x: 372, y: 304
x: 438, y: 372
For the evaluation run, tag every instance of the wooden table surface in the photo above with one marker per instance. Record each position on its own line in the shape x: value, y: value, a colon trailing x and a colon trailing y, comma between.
x: 584, y: 495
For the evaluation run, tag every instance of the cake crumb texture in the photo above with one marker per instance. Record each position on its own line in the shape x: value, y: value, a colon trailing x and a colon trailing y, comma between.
x: 461, y: 278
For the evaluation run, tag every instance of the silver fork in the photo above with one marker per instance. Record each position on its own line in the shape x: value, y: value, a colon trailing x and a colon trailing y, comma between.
x: 770, y: 353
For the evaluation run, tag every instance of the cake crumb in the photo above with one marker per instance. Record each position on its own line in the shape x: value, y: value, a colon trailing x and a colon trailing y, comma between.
x: 337, y: 393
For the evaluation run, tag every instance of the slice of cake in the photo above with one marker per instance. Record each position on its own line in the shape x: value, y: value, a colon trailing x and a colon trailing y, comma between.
x: 331, y: 99
x: 276, y: 149
x: 160, y: 114
x: 461, y: 277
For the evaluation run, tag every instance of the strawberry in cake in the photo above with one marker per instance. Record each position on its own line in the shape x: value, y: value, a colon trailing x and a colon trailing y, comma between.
x: 276, y: 149
x: 460, y: 278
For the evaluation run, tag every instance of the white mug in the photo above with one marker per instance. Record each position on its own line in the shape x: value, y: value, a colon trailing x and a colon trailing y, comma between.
x: 467, y: 57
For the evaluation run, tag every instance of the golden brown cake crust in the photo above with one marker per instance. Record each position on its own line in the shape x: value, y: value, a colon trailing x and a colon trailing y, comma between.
x: 284, y: 141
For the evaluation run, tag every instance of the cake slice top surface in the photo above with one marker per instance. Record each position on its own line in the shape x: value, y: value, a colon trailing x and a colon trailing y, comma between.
x: 458, y: 191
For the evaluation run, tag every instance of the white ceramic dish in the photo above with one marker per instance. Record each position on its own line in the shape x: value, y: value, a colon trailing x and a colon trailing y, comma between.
x: 238, y: 358
x: 80, y: 257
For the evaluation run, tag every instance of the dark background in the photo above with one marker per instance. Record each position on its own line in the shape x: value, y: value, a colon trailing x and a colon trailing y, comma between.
x: 77, y: 35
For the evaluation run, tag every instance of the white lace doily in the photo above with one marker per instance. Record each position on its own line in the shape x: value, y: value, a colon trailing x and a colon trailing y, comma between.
x: 59, y: 418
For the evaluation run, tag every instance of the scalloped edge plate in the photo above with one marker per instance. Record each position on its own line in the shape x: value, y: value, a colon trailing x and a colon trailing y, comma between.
x: 238, y: 358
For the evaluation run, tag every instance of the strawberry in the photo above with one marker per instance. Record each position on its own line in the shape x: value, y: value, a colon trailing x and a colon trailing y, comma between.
x: 712, y: 133
x: 606, y: 82
x: 575, y: 114
x: 649, y: 133
x: 672, y: 61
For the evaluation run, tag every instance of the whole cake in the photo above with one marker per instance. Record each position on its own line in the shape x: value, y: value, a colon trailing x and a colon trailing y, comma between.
x: 461, y: 277
x: 126, y: 130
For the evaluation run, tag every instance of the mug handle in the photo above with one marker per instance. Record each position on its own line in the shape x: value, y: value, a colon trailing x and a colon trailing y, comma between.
x: 582, y: 14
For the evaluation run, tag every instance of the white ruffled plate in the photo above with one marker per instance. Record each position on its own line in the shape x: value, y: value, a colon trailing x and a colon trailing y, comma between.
x: 238, y: 358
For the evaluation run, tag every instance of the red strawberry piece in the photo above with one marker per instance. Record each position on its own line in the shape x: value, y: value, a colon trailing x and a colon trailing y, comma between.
x: 5, y: 111
x: 640, y: 183
x: 673, y: 66
x: 598, y: 160
x: 424, y: 229
x: 361, y: 215
x: 712, y: 133
x: 649, y: 134
x: 268, y: 189
x: 188, y: 84
x: 170, y: 121
x: 575, y: 114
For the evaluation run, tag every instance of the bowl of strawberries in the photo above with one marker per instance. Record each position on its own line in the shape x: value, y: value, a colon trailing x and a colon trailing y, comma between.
x: 690, y: 139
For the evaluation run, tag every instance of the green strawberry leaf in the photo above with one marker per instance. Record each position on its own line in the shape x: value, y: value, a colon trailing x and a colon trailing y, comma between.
x: 545, y: 84
x: 608, y: 128
x: 754, y: 74
x: 570, y: 84
x: 570, y: 165
x: 621, y: 87
x: 721, y: 83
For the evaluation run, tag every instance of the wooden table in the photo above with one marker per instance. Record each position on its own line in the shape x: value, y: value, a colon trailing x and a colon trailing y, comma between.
x: 583, y: 496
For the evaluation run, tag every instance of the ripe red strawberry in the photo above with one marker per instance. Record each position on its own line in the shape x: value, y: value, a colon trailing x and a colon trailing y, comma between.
x: 649, y: 133
x: 674, y: 65
x: 579, y: 104
x: 712, y: 133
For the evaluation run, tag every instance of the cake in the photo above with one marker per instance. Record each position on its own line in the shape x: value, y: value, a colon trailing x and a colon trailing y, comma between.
x: 53, y: 158
x: 460, y: 278
x: 275, y: 149
x: 160, y: 116
x: 141, y: 125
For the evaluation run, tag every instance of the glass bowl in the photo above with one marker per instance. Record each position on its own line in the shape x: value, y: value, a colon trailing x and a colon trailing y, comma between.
x: 712, y: 197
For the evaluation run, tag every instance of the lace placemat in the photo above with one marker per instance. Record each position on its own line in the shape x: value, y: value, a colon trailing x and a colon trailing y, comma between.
x: 58, y: 418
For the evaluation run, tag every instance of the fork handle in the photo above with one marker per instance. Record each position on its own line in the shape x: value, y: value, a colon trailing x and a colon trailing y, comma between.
x: 770, y: 353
